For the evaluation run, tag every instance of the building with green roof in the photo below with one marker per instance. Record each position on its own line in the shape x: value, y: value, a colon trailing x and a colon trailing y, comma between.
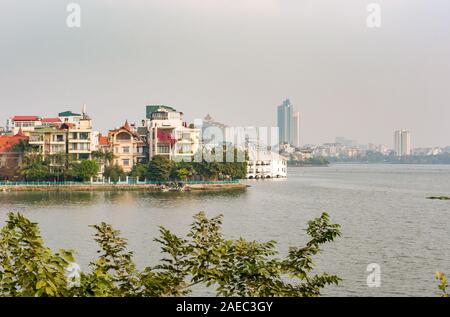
x: 154, y: 108
x: 68, y: 114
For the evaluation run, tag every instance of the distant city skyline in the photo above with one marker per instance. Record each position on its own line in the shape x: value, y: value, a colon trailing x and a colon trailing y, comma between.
x: 402, y: 138
x: 347, y: 79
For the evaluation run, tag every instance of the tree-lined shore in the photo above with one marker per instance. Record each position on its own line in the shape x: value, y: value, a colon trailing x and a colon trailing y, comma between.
x: 63, y: 167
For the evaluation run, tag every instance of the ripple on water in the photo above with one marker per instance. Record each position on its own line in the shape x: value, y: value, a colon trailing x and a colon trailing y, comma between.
x: 383, y: 211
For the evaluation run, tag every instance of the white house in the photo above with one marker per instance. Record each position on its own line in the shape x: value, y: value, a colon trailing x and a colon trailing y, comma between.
x: 266, y: 164
x: 169, y: 135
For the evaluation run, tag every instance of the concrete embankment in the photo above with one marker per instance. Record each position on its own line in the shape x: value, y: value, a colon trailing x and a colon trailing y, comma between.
x: 216, y: 186
x: 149, y: 187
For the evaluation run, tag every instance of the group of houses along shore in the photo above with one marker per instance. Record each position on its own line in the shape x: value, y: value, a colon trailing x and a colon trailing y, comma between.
x: 162, y: 132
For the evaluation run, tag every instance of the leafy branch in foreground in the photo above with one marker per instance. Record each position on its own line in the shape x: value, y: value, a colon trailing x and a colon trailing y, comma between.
x: 442, y: 283
x: 232, y: 267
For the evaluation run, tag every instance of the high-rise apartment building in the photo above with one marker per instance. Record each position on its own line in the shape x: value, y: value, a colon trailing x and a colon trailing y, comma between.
x: 288, y: 123
x: 296, y: 129
x: 402, y: 142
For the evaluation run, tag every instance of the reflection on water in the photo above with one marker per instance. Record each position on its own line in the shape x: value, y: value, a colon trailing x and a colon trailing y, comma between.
x: 383, y: 210
x: 64, y: 198
x: 49, y: 198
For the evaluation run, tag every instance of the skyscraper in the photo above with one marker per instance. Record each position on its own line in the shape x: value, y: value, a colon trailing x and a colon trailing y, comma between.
x: 288, y: 124
x: 296, y: 129
x: 402, y: 142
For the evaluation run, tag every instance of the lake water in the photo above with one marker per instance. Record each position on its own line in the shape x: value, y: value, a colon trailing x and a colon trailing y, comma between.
x: 383, y: 211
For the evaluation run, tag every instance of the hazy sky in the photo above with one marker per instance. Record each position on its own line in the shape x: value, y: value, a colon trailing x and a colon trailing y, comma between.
x: 237, y: 60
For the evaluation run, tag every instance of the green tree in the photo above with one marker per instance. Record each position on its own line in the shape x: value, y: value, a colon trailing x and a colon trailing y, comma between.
x: 159, y: 168
x: 140, y: 170
x: 103, y: 157
x: 24, y: 146
x: 182, y: 173
x: 232, y: 267
x: 34, y: 168
x: 114, y: 173
x: 27, y: 267
x: 84, y: 170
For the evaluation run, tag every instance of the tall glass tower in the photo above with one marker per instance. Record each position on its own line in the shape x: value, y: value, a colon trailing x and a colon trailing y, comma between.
x: 285, y: 113
x: 288, y: 124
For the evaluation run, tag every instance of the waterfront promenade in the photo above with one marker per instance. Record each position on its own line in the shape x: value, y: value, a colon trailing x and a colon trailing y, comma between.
x: 120, y: 186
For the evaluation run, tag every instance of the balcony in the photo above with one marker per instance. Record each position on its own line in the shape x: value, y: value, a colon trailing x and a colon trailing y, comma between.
x: 37, y: 142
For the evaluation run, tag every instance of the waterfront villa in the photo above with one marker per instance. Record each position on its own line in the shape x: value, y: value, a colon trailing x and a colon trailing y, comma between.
x: 169, y: 135
x: 68, y: 133
x: 80, y: 138
x: 266, y: 164
x: 127, y: 146
x: 50, y: 140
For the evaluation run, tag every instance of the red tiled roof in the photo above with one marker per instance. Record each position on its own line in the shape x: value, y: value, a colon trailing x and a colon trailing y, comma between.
x: 7, y: 142
x: 103, y: 140
x: 51, y: 120
x: 125, y: 127
x: 25, y: 118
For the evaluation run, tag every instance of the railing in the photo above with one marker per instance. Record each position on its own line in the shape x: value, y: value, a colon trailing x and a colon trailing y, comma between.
x: 42, y: 183
x: 107, y: 182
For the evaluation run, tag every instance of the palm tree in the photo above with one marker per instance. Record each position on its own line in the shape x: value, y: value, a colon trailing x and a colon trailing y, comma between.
x: 109, y: 157
x: 104, y: 158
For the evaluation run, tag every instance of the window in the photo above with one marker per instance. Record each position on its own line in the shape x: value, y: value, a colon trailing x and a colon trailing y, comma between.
x: 57, y: 149
x: 163, y: 149
x: 83, y: 146
x: 160, y: 116
x: 80, y: 147
x: 84, y: 136
x: 126, y: 149
x: 123, y: 136
x: 126, y: 162
x: 19, y: 124
x: 36, y: 138
x: 83, y: 156
x: 184, y: 149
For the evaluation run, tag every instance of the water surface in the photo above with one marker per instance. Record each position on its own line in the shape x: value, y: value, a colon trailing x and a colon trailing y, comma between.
x: 383, y: 210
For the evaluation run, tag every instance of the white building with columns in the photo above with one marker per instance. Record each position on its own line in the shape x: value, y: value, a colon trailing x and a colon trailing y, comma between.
x: 266, y: 164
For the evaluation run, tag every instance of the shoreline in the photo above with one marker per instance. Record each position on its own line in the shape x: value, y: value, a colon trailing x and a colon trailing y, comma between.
x: 87, y: 188
x: 387, y: 163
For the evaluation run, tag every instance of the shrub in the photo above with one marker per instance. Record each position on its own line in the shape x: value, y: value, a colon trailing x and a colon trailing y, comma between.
x: 233, y: 267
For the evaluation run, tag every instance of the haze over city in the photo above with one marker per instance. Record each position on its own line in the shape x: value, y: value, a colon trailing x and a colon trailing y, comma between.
x: 236, y: 60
